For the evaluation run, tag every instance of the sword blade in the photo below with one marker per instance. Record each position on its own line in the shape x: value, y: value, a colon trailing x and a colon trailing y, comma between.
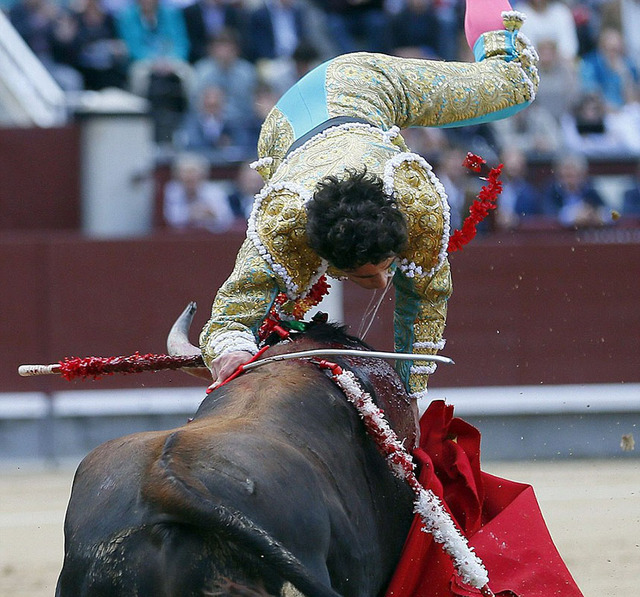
x: 376, y: 354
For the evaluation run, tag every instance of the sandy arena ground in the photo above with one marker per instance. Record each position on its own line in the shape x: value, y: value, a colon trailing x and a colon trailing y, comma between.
x: 592, y: 509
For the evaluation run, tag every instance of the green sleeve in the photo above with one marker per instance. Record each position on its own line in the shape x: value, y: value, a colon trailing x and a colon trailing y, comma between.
x: 419, y: 321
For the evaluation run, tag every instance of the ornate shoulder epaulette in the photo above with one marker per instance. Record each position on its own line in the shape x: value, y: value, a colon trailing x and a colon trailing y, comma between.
x: 277, y: 228
x: 407, y: 175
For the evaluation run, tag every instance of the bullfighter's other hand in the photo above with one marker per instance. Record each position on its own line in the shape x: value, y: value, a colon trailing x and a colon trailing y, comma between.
x: 224, y: 365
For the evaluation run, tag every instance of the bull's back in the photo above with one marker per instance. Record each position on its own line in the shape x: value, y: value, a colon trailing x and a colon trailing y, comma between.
x: 256, y: 487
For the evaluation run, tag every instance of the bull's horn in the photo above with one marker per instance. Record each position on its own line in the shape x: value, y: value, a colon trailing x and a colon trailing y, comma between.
x: 178, y: 339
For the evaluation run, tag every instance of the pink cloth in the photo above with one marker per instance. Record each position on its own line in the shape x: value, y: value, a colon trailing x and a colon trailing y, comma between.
x: 482, y: 16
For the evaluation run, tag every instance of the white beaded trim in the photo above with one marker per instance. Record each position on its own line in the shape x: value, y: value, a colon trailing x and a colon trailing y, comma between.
x: 423, y: 369
x: 443, y: 530
x: 439, y: 345
x: 421, y: 395
x: 261, y: 163
x: 513, y: 15
x: 292, y: 288
x: 532, y: 55
x: 391, y: 134
x: 233, y: 341
x: 410, y: 268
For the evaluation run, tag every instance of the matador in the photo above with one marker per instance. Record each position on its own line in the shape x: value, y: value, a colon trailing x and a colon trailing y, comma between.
x: 334, y: 140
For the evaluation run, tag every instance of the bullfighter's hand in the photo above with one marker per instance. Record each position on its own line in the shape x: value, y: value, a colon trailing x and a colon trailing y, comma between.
x: 223, y: 366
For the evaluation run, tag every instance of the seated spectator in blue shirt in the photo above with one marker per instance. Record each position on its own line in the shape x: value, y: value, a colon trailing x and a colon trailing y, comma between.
x: 274, y: 30
x: 247, y: 134
x: 571, y: 196
x: 205, y: 129
x: 206, y: 19
x: 609, y: 71
x: 223, y: 67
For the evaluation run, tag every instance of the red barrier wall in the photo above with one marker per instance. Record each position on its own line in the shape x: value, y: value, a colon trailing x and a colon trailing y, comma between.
x: 39, y: 178
x: 556, y: 308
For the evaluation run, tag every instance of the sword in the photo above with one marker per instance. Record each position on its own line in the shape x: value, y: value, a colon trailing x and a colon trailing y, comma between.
x: 376, y: 354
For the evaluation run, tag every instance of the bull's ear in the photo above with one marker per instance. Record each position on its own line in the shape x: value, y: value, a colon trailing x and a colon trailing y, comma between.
x: 320, y: 317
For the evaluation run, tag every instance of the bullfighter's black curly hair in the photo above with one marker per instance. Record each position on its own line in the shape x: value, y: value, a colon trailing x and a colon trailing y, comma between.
x: 351, y: 221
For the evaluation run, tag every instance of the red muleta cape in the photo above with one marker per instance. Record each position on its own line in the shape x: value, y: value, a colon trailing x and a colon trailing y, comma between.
x: 501, y: 520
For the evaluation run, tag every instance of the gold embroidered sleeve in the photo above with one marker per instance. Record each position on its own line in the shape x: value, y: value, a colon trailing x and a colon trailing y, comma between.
x: 387, y: 90
x: 276, y: 136
x: 240, y: 306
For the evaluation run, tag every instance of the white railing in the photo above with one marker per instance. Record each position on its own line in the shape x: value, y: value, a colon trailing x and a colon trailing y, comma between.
x: 29, y: 96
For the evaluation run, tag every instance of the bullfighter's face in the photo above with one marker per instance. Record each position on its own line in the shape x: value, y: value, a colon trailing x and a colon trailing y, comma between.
x: 371, y: 275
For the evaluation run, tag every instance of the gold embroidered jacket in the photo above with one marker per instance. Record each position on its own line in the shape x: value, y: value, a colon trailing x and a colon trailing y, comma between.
x: 390, y: 93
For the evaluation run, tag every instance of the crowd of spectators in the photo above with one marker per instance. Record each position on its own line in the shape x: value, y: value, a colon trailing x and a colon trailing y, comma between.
x: 212, y: 69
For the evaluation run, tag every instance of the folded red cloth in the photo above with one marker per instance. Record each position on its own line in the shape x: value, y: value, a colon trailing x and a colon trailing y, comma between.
x: 501, y: 519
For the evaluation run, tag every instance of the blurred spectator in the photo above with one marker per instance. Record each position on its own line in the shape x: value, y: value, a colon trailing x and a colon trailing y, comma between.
x: 414, y: 30
x: 274, y: 29
x: 450, y: 15
x: 519, y: 198
x: 355, y: 25
x: 49, y: 31
x: 265, y: 99
x: 223, y: 67
x: 551, y: 19
x: 624, y: 16
x: 591, y: 130
x: 193, y: 201
x: 100, y: 55
x: 454, y: 177
x: 206, y: 130
x: 533, y: 130
x: 631, y: 199
x: 559, y: 84
x: 283, y: 74
x: 586, y: 16
x: 610, y: 72
x: 571, y: 196
x: 206, y: 19
x: 478, y: 138
x: 247, y: 184
x: 156, y: 38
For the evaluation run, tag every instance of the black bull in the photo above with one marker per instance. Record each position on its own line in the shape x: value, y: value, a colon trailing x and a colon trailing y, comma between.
x: 274, y: 488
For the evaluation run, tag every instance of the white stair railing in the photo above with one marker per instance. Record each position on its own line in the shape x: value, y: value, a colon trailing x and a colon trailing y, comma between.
x: 29, y: 96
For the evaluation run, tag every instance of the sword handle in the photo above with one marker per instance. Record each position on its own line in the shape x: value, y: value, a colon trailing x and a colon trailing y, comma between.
x: 33, y: 370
